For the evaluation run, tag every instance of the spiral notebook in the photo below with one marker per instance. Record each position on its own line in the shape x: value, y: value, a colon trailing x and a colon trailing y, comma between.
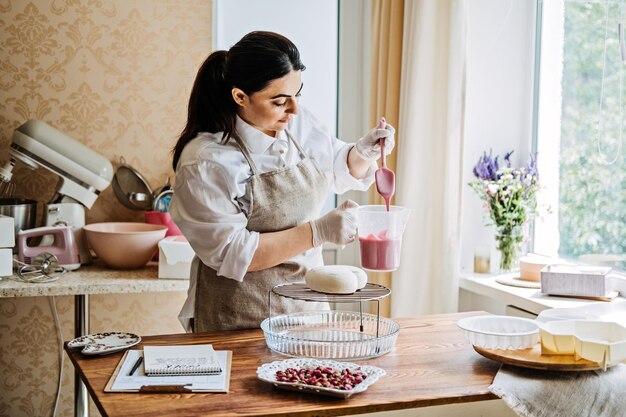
x: 128, y: 378
x: 180, y: 360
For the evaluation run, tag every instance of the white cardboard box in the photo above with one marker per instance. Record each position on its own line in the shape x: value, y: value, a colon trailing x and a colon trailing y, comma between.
x: 6, y: 261
x: 175, y: 256
x: 576, y: 280
x: 7, y: 232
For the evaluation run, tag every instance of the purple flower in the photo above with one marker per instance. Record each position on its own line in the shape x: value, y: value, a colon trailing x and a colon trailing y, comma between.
x: 486, y: 167
x: 531, y: 167
x: 507, y: 158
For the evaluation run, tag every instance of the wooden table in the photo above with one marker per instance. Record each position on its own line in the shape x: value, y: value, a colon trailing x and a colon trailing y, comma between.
x: 432, y: 364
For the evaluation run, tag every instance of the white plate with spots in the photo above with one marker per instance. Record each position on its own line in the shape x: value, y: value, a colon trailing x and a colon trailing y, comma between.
x: 104, y: 343
x: 275, y: 372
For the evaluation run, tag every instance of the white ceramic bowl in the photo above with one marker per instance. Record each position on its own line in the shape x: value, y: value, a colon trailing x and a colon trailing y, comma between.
x: 500, y: 332
x: 124, y: 245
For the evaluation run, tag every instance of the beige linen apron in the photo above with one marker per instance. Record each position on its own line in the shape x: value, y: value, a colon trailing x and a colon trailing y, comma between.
x: 279, y: 200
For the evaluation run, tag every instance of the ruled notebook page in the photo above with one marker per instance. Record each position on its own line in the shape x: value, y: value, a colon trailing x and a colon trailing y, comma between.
x: 180, y: 360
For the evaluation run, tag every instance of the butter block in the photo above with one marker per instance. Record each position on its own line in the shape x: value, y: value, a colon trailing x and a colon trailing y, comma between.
x: 575, y: 280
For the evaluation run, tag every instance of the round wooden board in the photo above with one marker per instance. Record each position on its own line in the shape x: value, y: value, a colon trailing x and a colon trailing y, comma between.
x: 532, y: 358
x: 518, y: 282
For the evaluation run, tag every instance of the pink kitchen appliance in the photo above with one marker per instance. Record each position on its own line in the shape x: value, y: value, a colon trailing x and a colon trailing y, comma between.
x: 60, y: 244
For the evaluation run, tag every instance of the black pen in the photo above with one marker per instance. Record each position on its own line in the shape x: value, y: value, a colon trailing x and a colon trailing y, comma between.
x: 135, y: 366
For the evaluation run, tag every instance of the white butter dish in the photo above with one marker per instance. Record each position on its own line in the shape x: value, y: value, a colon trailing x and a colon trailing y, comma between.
x: 575, y: 280
x: 500, y: 332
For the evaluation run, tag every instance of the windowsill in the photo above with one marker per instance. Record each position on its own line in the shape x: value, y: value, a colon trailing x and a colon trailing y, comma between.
x: 529, y: 299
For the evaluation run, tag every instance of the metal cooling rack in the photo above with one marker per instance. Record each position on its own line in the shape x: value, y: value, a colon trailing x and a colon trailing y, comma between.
x: 302, y: 292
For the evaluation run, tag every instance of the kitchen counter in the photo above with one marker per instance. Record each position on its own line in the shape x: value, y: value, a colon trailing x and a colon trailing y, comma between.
x: 431, y: 366
x: 95, y: 279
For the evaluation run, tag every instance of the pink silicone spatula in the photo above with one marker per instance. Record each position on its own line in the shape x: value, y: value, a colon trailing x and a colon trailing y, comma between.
x: 385, y: 178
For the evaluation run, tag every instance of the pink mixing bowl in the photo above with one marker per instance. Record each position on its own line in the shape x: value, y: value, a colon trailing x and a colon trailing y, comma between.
x: 124, y: 245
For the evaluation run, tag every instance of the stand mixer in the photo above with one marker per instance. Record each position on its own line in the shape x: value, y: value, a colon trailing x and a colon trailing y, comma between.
x: 82, y: 173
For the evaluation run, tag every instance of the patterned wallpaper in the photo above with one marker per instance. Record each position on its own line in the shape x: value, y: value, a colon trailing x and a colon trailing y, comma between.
x: 115, y: 75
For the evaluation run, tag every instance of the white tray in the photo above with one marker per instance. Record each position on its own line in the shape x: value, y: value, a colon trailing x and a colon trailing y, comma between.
x: 267, y: 373
x: 330, y: 335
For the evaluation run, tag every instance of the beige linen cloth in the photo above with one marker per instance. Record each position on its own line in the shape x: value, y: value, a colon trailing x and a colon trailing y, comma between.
x: 535, y: 393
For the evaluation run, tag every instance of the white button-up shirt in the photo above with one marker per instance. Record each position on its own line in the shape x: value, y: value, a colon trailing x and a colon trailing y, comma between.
x: 210, y: 203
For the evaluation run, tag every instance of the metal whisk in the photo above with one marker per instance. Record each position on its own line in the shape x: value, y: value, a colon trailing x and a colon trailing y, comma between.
x: 7, y: 187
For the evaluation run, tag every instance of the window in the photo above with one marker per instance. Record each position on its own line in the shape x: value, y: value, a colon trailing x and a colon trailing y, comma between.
x: 581, y: 108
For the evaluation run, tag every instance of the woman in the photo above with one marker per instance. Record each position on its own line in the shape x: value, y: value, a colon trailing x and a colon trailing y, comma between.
x: 251, y: 179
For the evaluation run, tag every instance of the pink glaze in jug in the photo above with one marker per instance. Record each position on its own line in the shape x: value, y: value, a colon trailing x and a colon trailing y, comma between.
x: 379, y: 253
x: 380, y: 236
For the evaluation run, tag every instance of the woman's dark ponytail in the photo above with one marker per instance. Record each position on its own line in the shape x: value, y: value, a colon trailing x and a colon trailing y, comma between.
x: 211, y: 106
x: 250, y: 65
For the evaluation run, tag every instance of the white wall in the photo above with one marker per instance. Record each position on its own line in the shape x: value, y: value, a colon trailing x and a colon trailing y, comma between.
x: 500, y: 62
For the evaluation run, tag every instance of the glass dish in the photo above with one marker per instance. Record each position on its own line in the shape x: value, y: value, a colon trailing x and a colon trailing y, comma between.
x: 338, y: 335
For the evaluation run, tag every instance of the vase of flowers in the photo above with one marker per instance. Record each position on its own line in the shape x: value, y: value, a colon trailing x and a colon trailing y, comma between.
x: 510, y: 198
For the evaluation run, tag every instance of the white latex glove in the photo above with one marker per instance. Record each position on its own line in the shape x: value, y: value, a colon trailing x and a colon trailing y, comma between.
x: 337, y: 226
x: 368, y: 147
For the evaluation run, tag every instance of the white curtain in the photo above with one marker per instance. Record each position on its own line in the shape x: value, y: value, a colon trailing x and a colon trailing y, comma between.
x: 430, y: 149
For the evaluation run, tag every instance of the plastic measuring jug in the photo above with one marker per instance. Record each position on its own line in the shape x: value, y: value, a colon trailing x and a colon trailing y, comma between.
x: 380, y: 236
